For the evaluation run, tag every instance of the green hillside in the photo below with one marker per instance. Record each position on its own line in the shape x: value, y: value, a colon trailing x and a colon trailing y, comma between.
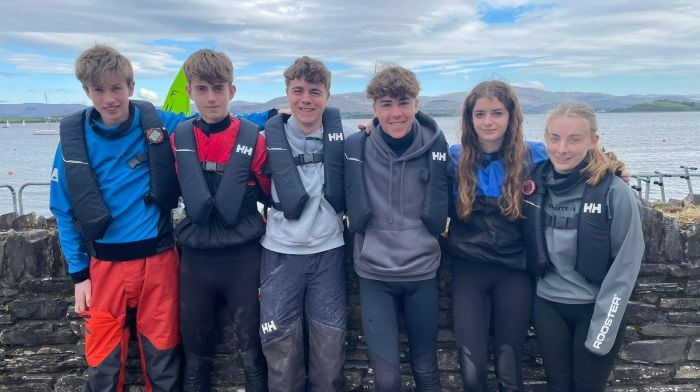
x: 661, y: 105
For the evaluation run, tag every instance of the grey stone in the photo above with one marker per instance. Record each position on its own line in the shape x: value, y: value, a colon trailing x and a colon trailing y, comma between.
x: 37, y: 334
x: 38, y: 308
x: 694, y: 353
x: 688, y: 372
x: 6, y: 221
x: 693, y: 199
x: 635, y: 373
x: 670, y: 388
x: 680, y: 303
x: 70, y: 383
x: 659, y: 288
x: 24, y: 222
x: 683, y: 317
x: 61, y: 285
x: 638, y: 312
x: 669, y: 330
x: 665, y: 351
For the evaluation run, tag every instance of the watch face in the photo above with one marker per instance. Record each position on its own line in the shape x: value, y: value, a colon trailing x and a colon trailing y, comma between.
x: 528, y: 187
x: 155, y: 135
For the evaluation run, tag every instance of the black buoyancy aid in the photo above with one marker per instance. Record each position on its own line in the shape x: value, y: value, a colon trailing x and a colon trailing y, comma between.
x: 594, y: 255
x: 91, y: 213
x: 230, y: 193
x: 435, y: 205
x: 283, y: 165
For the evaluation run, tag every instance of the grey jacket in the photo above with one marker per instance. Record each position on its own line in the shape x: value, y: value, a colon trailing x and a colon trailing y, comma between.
x: 396, y: 245
x: 563, y: 284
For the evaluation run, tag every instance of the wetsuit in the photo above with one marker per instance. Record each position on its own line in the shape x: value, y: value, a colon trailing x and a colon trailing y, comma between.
x: 220, y: 261
x: 491, y: 288
x: 579, y: 321
x: 302, y: 276
x: 396, y: 255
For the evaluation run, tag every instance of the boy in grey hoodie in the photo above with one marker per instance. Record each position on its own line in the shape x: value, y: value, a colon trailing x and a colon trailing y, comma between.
x: 302, y: 270
x: 397, y: 196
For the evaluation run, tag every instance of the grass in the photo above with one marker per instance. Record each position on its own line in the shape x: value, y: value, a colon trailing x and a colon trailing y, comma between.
x: 687, y: 217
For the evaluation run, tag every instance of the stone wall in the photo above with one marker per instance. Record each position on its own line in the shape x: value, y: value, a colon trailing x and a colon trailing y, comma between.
x: 41, y: 339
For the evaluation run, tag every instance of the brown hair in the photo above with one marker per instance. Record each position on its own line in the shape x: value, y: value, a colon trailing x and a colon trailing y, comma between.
x: 514, y: 157
x: 598, y: 164
x: 93, y: 64
x: 393, y: 81
x: 210, y: 66
x: 309, y: 69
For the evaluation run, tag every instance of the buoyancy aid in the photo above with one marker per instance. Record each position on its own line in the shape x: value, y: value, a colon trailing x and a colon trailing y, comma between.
x: 592, y: 223
x: 435, y: 205
x: 91, y: 213
x: 290, y: 190
x: 228, y: 198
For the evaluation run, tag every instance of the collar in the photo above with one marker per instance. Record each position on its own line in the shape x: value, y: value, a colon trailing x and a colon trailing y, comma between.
x: 114, y: 131
x: 208, y: 129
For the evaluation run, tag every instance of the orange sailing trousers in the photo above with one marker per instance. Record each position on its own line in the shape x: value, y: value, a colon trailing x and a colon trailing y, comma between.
x: 149, y: 289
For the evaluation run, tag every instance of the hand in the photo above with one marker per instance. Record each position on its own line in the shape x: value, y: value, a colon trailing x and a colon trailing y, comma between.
x: 625, y: 176
x: 83, y: 295
x: 284, y: 111
x: 367, y: 128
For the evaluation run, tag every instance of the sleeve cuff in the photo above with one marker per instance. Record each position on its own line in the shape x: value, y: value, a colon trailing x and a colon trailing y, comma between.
x: 80, y: 275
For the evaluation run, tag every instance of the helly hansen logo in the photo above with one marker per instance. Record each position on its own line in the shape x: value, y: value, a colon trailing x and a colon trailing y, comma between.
x: 244, y: 150
x: 439, y: 156
x: 605, y: 328
x: 592, y: 208
x: 268, y: 327
x: 335, y: 137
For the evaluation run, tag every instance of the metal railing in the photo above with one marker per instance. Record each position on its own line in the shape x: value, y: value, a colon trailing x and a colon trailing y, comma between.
x: 14, y: 196
x: 21, y: 189
x: 645, y: 180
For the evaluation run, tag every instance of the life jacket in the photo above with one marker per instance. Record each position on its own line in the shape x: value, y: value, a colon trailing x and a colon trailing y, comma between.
x: 234, y: 182
x: 91, y: 213
x: 435, y: 205
x: 594, y: 255
x: 283, y: 165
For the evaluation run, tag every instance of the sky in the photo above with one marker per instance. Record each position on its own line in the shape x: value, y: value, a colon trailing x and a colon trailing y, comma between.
x: 615, y: 47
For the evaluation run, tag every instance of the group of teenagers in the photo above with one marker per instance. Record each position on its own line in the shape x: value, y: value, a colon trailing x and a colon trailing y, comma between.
x: 546, y: 233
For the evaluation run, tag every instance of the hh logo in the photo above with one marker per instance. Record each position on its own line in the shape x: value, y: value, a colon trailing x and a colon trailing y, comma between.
x: 592, y: 208
x: 439, y: 156
x: 268, y: 327
x: 244, y: 150
x: 335, y: 137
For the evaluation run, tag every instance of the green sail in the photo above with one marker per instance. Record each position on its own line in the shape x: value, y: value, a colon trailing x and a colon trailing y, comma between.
x: 177, y: 100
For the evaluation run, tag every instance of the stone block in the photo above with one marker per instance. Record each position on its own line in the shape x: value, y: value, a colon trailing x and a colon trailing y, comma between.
x: 659, y: 288
x: 688, y: 373
x: 662, y: 351
x: 61, y: 285
x: 38, y: 334
x: 639, y: 312
x: 6, y: 220
x: 683, y: 317
x: 693, y: 199
x: 669, y: 330
x: 37, y: 308
x: 680, y: 303
x: 669, y: 388
x: 694, y: 353
x: 70, y: 383
x: 632, y: 373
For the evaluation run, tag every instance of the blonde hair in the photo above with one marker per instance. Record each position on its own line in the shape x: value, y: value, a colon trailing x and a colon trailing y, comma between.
x: 210, y: 66
x: 93, y: 64
x: 598, y: 164
x: 514, y: 157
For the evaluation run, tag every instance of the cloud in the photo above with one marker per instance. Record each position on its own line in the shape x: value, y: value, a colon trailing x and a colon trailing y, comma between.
x: 148, y: 95
x: 532, y: 84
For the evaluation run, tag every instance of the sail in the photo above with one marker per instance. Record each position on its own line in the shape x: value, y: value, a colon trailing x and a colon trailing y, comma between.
x: 177, y: 100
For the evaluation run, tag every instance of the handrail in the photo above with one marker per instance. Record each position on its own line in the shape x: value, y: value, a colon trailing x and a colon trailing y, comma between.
x: 21, y: 189
x: 14, y: 196
x: 657, y: 178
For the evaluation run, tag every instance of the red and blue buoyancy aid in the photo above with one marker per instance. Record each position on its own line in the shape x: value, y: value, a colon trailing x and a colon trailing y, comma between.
x: 229, y: 196
x: 593, y: 228
x: 435, y: 206
x: 91, y: 213
x: 283, y: 165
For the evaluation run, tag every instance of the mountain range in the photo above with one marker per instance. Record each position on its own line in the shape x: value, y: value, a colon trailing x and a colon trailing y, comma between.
x: 532, y: 101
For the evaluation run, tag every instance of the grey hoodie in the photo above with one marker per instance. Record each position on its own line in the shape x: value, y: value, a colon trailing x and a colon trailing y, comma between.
x: 396, y: 245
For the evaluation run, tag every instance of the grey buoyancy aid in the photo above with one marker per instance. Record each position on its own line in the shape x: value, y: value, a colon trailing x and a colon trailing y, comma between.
x: 594, y: 256
x: 283, y: 165
x: 234, y: 182
x: 435, y: 206
x: 91, y: 213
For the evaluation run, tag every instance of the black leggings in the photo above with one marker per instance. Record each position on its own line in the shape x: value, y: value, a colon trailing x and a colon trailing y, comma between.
x: 485, y: 295
x: 562, y: 330
x: 381, y: 302
x: 207, y: 286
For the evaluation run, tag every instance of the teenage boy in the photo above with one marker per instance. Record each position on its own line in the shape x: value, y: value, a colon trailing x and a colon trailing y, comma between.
x: 220, y: 160
x: 397, y: 198
x: 113, y: 185
x: 302, y: 274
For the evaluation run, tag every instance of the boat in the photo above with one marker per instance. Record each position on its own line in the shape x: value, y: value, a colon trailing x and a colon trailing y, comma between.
x: 7, y: 124
x: 44, y: 132
x: 24, y: 124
